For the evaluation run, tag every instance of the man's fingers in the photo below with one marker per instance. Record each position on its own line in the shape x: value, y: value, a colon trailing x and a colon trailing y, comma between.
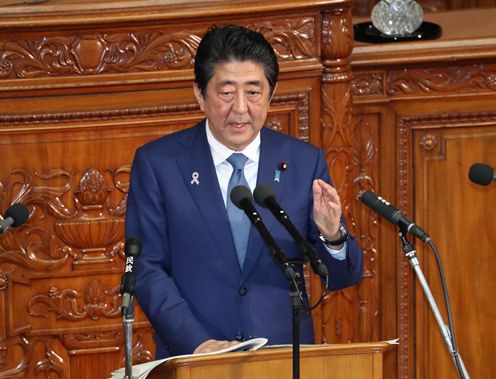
x: 325, y: 193
x: 213, y: 345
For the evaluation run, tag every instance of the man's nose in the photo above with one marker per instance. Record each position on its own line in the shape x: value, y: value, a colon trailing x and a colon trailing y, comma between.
x: 240, y: 103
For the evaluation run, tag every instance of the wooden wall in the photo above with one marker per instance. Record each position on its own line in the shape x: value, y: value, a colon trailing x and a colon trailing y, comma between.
x: 82, y: 85
x: 427, y: 111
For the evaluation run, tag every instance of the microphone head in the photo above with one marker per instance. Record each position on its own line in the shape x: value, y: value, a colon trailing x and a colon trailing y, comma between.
x: 239, y: 194
x: 132, y: 248
x: 19, y: 213
x: 369, y: 198
x: 262, y: 193
x: 380, y: 205
x: 481, y: 173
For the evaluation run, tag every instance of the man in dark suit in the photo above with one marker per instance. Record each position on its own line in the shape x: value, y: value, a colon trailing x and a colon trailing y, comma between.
x: 204, y: 281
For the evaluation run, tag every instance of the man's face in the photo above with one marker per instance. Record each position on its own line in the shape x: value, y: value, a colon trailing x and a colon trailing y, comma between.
x: 236, y: 102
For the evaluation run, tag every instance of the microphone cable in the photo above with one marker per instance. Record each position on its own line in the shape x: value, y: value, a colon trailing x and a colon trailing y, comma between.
x: 451, y: 328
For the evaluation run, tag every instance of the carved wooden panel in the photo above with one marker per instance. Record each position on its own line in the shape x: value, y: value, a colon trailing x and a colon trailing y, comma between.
x: 435, y: 103
x: 75, y: 231
x: 446, y: 79
x: 353, y: 314
x: 443, y: 157
x: 344, y: 310
x: 69, y: 253
x: 368, y: 84
x: 79, y: 92
x: 142, y: 50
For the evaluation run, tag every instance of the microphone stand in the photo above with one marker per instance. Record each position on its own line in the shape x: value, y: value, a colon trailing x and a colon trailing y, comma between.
x: 241, y: 197
x: 297, y: 307
x: 410, y: 253
x: 128, y: 319
x: 293, y: 277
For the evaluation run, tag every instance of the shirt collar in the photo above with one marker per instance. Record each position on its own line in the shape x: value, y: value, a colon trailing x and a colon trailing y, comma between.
x: 220, y: 152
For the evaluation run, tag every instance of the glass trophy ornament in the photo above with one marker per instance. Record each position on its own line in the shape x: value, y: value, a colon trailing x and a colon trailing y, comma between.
x: 397, y: 17
x: 396, y: 21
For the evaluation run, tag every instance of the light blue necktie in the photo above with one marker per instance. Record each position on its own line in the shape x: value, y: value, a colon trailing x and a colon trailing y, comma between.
x: 240, y: 225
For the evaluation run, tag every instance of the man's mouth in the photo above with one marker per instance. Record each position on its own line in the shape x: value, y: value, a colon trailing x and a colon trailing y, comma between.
x: 238, y: 125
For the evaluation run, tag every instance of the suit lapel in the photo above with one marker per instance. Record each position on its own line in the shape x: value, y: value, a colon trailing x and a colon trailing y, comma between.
x: 272, y: 153
x: 207, y: 194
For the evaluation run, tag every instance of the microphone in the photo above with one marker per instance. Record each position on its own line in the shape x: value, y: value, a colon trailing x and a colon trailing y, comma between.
x: 266, y: 197
x: 392, y: 214
x: 15, y: 216
x: 132, y: 249
x: 241, y: 197
x: 482, y: 174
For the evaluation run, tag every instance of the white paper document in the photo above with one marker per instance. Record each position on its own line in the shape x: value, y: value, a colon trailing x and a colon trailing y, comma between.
x: 142, y: 370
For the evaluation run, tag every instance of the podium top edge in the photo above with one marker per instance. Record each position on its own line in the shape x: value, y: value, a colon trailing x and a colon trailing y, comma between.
x: 281, y: 352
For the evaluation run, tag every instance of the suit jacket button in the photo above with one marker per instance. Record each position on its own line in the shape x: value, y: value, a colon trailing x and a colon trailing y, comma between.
x: 243, y: 291
x: 240, y: 335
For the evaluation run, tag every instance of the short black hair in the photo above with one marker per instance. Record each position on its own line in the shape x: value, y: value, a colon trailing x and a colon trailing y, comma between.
x: 234, y: 43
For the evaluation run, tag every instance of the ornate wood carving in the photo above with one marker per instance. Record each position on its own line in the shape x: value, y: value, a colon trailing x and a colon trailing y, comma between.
x: 71, y: 117
x: 97, y: 53
x: 406, y: 124
x: 86, y: 234
x: 303, y: 116
x: 336, y: 97
x: 29, y: 247
x: 292, y: 39
x: 368, y: 84
x: 364, y: 161
x: 337, y: 41
x: 404, y: 274
x: 75, y: 231
x: 53, y: 362
x: 141, y: 352
x: 429, y: 142
x: 95, y: 302
x: 469, y: 78
x: 134, y: 51
x: 92, y: 339
x: 275, y: 123
x: 302, y: 101
x: 444, y: 119
x: 436, y: 111
x: 301, y: 104
x: 19, y: 367
x: 4, y: 282
x: 111, y: 338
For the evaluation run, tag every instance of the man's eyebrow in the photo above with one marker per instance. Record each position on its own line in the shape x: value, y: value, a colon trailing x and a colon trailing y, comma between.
x: 254, y: 83
x: 250, y: 82
x: 226, y: 82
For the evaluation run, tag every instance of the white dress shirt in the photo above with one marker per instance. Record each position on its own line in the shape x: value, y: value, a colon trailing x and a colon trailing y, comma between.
x: 224, y: 171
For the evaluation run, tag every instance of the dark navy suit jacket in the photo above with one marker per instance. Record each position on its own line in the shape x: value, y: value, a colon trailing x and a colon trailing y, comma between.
x: 189, y: 282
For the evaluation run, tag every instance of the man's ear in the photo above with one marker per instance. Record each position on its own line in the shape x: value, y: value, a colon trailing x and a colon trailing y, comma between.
x: 198, y: 96
x: 273, y: 92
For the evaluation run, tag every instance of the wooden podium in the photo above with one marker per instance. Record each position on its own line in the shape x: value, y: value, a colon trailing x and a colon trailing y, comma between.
x: 337, y: 361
